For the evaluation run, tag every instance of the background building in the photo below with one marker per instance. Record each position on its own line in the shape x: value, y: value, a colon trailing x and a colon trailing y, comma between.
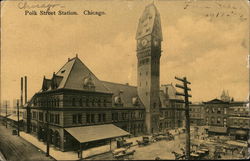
x: 239, y: 122
x: 216, y: 116
x: 197, y: 112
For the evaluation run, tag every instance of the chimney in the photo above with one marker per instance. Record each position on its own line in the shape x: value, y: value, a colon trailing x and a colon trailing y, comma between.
x: 25, y: 89
x: 68, y: 59
x: 21, y: 91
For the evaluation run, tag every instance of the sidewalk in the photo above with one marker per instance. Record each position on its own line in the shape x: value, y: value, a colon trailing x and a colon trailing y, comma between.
x: 70, y: 155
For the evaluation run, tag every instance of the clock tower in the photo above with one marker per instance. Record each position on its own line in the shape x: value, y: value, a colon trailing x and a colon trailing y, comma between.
x: 149, y: 37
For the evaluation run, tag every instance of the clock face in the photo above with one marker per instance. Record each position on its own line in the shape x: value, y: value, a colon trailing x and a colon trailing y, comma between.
x: 144, y: 42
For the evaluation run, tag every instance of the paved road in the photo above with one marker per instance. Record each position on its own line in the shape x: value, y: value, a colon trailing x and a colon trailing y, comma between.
x: 15, y: 148
x: 162, y: 149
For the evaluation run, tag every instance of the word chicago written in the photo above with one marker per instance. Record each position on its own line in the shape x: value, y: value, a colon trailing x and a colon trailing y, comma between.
x: 61, y: 12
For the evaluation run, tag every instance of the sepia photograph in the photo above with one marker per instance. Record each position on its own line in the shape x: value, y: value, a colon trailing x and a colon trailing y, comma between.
x: 124, y: 80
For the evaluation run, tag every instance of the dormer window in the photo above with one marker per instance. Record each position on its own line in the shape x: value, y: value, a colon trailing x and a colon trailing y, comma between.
x: 135, y: 101
x: 62, y: 71
x: 88, y: 83
x: 118, y: 100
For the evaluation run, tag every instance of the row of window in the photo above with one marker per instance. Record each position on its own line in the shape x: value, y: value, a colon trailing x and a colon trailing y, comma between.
x: 101, y: 117
x: 215, y: 121
x: 218, y: 111
x: 195, y: 115
x: 195, y: 109
x: 47, y: 103
x: 240, y: 122
x: 169, y: 114
x: 89, y: 102
x: 53, y: 118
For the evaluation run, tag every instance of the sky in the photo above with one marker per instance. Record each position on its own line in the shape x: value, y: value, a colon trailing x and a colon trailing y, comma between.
x: 205, y: 40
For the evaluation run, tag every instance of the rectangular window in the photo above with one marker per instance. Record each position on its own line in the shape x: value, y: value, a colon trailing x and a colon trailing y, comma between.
x: 79, y: 118
x: 46, y: 117
x: 100, y: 117
x: 92, y: 118
x: 57, y: 118
x: 74, y: 119
x: 104, y: 117
x: 73, y: 102
x: 115, y: 116
x: 88, y: 118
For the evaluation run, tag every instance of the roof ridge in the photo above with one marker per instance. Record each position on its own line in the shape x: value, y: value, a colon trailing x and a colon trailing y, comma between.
x: 119, y: 83
x: 69, y: 71
x: 65, y: 64
x: 92, y: 74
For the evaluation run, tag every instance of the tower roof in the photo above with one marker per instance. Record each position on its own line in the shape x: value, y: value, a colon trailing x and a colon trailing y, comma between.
x: 149, y: 23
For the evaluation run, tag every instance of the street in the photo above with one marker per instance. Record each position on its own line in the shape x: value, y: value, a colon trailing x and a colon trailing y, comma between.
x: 162, y: 149
x: 15, y: 148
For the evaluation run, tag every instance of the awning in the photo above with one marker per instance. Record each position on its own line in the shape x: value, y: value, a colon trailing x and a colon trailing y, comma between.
x: 86, y: 134
x: 236, y: 143
x: 217, y: 129
x: 14, y: 118
x: 241, y: 132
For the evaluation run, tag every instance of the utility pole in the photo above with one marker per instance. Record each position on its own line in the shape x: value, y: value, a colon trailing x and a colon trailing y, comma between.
x: 18, y: 128
x: 47, y: 127
x: 6, y: 113
x: 187, y: 119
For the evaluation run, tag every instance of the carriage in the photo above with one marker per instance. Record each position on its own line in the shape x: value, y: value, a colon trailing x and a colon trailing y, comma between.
x: 123, y: 153
x: 145, y: 141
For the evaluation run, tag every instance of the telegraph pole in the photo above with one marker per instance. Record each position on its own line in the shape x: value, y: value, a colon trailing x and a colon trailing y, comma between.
x: 6, y: 114
x: 187, y: 119
x: 47, y: 127
x: 18, y: 128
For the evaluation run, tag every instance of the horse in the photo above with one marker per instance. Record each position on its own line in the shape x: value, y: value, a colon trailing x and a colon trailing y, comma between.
x: 178, y: 156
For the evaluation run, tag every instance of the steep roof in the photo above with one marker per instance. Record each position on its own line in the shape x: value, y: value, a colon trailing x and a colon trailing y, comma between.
x: 170, y: 92
x: 72, y: 76
x: 215, y: 101
x: 149, y: 23
x: 127, y: 95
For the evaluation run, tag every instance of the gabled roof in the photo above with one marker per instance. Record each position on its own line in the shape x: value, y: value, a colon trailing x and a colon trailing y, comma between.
x: 216, y: 101
x: 127, y: 93
x: 170, y: 92
x: 72, y: 76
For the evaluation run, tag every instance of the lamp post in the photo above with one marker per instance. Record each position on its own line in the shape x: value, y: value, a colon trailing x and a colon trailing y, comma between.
x: 47, y: 126
x: 18, y: 128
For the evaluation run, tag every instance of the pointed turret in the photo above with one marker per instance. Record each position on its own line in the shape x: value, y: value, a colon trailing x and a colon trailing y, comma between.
x: 149, y: 23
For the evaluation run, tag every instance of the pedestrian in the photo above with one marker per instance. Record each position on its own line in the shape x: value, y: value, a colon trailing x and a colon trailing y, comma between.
x: 243, y: 153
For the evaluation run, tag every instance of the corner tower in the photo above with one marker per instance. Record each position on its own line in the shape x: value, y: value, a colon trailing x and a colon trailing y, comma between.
x: 149, y: 38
